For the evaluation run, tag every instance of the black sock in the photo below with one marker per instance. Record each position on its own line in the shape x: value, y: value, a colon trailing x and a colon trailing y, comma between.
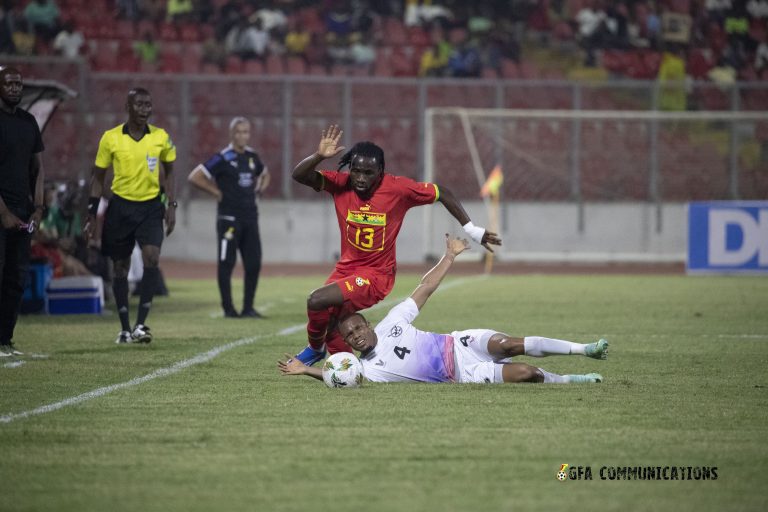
x: 148, y: 287
x: 120, y: 289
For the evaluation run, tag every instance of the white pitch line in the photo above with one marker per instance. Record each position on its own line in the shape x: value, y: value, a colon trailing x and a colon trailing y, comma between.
x: 14, y: 364
x: 203, y: 357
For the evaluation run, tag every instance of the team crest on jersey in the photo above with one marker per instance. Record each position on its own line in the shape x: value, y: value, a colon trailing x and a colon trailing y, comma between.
x: 359, y: 281
x: 152, y: 163
x: 396, y: 331
x: 251, y: 164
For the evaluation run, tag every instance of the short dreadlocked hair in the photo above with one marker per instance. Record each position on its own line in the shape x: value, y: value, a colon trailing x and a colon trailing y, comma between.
x: 365, y: 149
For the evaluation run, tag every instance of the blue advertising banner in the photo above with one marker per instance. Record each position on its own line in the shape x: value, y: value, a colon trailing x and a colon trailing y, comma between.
x: 728, y: 237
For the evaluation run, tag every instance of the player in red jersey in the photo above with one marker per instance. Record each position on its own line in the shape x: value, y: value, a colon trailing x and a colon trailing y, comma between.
x: 370, y: 208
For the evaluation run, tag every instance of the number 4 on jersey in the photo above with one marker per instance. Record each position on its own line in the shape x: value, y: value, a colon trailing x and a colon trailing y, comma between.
x: 401, y: 352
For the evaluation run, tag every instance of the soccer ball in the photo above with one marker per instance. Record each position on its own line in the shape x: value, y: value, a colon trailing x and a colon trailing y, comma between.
x: 561, y: 475
x: 342, y: 370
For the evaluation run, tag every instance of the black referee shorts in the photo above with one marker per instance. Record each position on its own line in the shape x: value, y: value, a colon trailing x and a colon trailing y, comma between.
x: 127, y: 222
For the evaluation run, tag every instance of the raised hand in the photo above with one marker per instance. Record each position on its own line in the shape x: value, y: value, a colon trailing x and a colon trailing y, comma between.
x: 329, y: 142
x: 455, y: 246
x: 491, y: 238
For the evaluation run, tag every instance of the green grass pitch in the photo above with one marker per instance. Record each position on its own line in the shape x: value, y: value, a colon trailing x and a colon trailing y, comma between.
x: 685, y: 385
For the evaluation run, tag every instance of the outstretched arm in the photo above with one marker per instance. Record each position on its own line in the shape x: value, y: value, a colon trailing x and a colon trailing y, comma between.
x: 476, y: 233
x: 328, y: 147
x: 292, y: 366
x: 432, y: 279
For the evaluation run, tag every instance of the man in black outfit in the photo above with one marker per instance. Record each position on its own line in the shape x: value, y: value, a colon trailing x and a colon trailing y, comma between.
x: 234, y: 176
x: 21, y: 200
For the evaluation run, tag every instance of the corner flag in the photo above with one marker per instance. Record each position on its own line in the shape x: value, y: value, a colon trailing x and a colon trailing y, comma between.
x: 493, y: 183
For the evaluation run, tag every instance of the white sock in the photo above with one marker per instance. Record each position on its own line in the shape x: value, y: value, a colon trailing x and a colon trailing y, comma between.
x: 553, y: 378
x: 536, y: 346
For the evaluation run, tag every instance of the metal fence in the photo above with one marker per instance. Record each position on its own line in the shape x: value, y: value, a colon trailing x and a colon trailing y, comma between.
x: 288, y: 112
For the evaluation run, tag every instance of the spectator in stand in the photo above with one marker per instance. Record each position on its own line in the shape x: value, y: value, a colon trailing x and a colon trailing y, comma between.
x: 338, y: 21
x: 179, y: 10
x: 214, y: 51
x: 69, y: 41
x: 758, y: 9
x: 362, y: 51
x: 43, y: 18
x: 590, y: 23
x: 152, y: 10
x: 617, y: 35
x: 717, y: 9
x: 297, y: 39
x: 338, y: 49
x: 465, y: 60
x: 6, y: 30
x: 418, y: 12
x: 61, y: 235
x: 761, y: 60
x: 23, y: 38
x: 147, y: 49
x: 363, y: 18
x: 128, y: 9
x: 253, y: 41
x: 271, y: 17
x: 434, y: 60
x: 480, y: 20
x: 671, y: 78
x: 653, y: 27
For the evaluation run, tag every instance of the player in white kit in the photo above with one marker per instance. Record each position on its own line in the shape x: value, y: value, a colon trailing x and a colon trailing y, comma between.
x: 396, y: 351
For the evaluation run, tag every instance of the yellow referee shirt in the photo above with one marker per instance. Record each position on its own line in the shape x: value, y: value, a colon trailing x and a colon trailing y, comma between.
x: 136, y: 164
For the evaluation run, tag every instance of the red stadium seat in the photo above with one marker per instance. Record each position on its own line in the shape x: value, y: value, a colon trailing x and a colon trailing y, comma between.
x: 168, y: 32
x: 250, y: 66
x: 170, y: 62
x: 190, y: 32
x: 234, y: 65
x: 509, y: 69
x: 296, y: 66
x: 124, y: 30
x: 274, y: 65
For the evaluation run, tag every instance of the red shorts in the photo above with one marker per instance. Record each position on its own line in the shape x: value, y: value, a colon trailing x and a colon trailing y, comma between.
x: 362, y: 288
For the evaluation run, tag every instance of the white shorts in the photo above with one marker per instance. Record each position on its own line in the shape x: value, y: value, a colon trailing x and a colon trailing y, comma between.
x: 473, y: 362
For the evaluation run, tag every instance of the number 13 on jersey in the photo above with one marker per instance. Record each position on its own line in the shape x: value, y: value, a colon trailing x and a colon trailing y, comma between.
x: 366, y: 230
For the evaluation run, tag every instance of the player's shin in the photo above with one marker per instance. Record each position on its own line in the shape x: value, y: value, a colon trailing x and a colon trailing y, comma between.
x: 553, y: 378
x: 317, y: 327
x: 148, y: 286
x: 537, y: 346
x: 120, y: 290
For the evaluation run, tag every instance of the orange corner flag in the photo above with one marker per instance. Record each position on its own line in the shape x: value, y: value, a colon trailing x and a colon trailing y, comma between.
x: 492, y: 183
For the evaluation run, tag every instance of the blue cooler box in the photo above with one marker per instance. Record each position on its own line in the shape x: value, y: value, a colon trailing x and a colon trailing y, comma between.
x: 75, y: 295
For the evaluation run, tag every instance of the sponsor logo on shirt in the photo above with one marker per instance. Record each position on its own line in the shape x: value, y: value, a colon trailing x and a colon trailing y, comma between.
x: 245, y: 180
x: 349, y: 286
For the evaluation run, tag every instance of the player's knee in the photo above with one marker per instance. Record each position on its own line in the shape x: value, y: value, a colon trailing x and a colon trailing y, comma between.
x: 315, y: 301
x: 519, y: 372
x: 508, y: 346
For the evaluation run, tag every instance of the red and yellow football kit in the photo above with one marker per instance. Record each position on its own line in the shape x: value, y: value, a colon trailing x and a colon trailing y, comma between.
x: 365, y: 273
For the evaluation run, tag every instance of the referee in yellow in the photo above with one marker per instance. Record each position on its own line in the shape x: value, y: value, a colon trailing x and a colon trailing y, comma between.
x: 135, y: 150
